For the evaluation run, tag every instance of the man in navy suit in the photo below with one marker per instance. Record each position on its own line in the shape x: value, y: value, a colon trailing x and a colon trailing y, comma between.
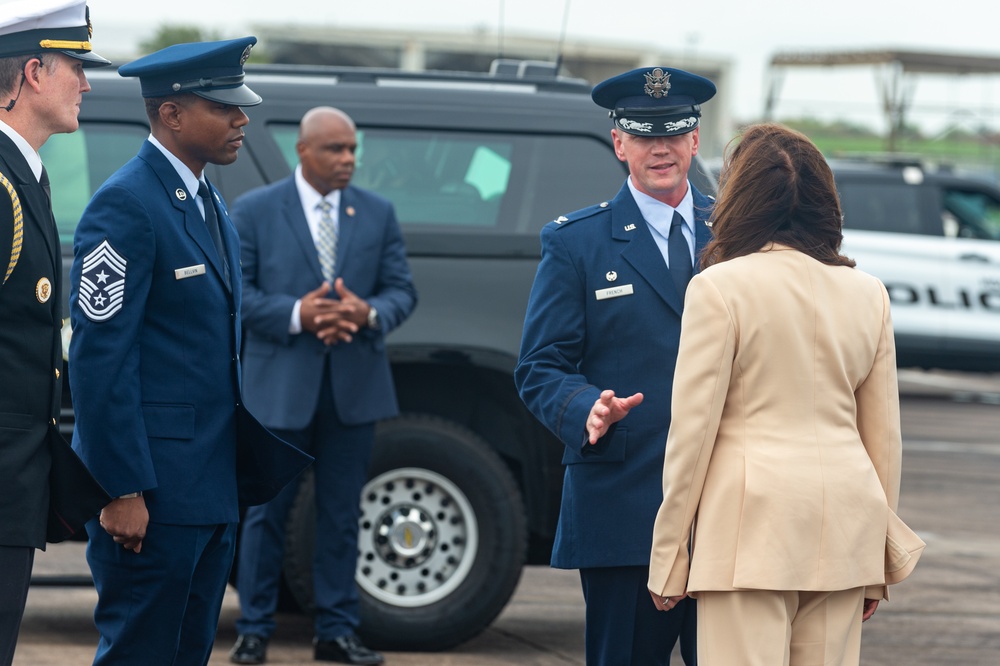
x: 44, y: 48
x: 598, y: 352
x: 155, y: 367
x: 325, y: 278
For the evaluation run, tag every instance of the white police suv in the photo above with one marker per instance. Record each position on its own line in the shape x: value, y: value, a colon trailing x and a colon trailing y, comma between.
x: 933, y: 237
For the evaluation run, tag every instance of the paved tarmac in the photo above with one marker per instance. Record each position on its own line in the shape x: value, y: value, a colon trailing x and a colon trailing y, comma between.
x: 947, y: 613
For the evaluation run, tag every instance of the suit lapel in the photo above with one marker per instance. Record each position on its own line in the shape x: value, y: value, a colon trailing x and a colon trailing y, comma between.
x: 230, y: 239
x: 184, y: 202
x: 347, y: 222
x: 34, y: 204
x: 642, y: 252
x: 702, y: 232
x: 298, y: 226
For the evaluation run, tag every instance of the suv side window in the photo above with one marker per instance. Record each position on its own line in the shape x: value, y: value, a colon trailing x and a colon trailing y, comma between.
x: 80, y: 162
x: 970, y: 214
x: 882, y: 206
x: 440, y: 180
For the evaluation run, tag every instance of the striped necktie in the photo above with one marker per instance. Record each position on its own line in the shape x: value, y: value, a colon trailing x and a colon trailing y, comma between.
x: 326, y: 240
x: 679, y: 255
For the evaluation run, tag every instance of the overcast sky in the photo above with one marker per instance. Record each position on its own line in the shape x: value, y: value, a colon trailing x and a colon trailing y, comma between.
x: 747, y: 33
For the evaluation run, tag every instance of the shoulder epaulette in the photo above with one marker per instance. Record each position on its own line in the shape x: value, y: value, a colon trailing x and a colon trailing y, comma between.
x: 18, y: 238
x: 582, y: 214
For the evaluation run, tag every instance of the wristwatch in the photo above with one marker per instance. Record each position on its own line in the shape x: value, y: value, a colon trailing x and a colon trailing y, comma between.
x: 372, y: 318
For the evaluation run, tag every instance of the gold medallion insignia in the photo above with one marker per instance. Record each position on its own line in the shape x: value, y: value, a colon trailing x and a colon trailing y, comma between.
x: 657, y: 83
x: 43, y: 290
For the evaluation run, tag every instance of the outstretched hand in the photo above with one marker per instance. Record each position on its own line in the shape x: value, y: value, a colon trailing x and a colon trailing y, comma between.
x: 608, y: 410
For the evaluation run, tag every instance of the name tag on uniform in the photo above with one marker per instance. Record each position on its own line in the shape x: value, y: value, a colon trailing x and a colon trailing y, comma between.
x: 189, y: 271
x: 614, y: 292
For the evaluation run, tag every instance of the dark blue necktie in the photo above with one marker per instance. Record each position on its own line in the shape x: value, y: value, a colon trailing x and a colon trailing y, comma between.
x: 679, y: 255
x: 212, y: 222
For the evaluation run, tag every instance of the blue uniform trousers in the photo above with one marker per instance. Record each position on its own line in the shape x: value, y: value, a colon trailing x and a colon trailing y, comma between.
x: 343, y: 453
x: 623, y: 626
x: 160, y: 606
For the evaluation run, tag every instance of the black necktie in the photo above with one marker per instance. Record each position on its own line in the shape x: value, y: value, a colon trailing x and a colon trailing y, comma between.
x: 44, y: 182
x: 679, y: 255
x: 212, y: 222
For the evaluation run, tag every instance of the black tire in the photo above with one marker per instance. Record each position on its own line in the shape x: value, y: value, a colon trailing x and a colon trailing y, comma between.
x: 442, y: 538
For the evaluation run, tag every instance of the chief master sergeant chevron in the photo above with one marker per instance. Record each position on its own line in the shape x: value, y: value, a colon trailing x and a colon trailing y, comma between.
x: 155, y: 367
x: 597, y: 359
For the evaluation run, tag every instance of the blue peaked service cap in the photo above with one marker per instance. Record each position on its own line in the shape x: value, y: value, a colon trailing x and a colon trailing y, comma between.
x: 654, y: 101
x: 213, y: 70
x: 34, y: 27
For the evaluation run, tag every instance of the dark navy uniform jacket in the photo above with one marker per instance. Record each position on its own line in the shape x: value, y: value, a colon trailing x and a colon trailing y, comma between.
x: 45, y: 492
x: 576, y: 345
x: 30, y: 350
x: 154, y: 357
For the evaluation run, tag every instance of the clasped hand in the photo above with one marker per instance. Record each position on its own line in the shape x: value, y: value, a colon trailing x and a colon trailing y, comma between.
x: 333, y: 320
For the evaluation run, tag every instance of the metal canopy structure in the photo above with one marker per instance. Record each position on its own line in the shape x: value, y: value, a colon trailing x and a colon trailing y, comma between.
x: 895, y: 69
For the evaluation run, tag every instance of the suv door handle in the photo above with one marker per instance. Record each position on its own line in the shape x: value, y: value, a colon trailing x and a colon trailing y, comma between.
x: 983, y: 259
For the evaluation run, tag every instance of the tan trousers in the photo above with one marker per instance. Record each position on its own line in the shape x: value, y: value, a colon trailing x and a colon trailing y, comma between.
x: 777, y: 628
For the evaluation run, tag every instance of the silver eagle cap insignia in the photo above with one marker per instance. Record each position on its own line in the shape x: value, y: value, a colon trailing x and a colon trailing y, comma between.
x: 657, y: 83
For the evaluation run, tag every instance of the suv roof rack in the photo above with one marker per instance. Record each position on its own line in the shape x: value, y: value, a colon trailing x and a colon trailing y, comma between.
x: 541, y: 75
x: 898, y: 160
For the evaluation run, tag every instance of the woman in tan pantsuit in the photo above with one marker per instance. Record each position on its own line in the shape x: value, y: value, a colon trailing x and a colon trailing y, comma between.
x: 783, y: 460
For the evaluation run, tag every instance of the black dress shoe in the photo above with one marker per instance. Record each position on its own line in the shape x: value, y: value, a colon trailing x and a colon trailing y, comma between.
x: 249, y: 649
x: 347, y: 649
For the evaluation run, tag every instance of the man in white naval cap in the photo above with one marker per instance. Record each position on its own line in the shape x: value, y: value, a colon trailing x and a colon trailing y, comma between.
x: 45, y: 492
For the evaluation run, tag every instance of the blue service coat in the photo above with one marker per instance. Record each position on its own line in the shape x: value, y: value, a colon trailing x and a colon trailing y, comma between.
x: 280, y: 265
x: 156, y: 377
x: 576, y: 345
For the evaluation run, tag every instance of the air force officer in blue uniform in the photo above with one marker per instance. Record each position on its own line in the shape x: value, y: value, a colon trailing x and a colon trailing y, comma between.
x: 155, y: 371
x: 597, y: 358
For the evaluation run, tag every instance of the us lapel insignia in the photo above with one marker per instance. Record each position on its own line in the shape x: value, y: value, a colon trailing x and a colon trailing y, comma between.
x: 350, y: 211
x: 629, y: 227
x: 181, y: 194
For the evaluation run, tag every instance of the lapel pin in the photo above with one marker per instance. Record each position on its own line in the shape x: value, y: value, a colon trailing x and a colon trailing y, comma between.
x: 181, y: 194
x: 629, y: 227
x: 350, y: 211
x: 611, y: 276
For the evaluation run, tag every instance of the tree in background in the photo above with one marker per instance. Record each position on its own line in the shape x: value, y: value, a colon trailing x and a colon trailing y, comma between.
x: 170, y: 34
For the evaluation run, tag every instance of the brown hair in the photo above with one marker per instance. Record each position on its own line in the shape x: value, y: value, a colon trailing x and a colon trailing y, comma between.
x: 776, y: 187
x: 12, y: 67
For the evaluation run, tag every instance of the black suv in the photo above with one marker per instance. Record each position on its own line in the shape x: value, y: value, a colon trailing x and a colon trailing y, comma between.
x: 465, y: 486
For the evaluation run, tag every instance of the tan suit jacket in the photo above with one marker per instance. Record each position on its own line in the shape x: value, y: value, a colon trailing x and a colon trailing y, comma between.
x: 784, y: 450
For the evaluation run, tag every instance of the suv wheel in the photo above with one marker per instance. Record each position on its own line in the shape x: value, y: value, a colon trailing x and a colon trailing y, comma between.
x: 442, y: 536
